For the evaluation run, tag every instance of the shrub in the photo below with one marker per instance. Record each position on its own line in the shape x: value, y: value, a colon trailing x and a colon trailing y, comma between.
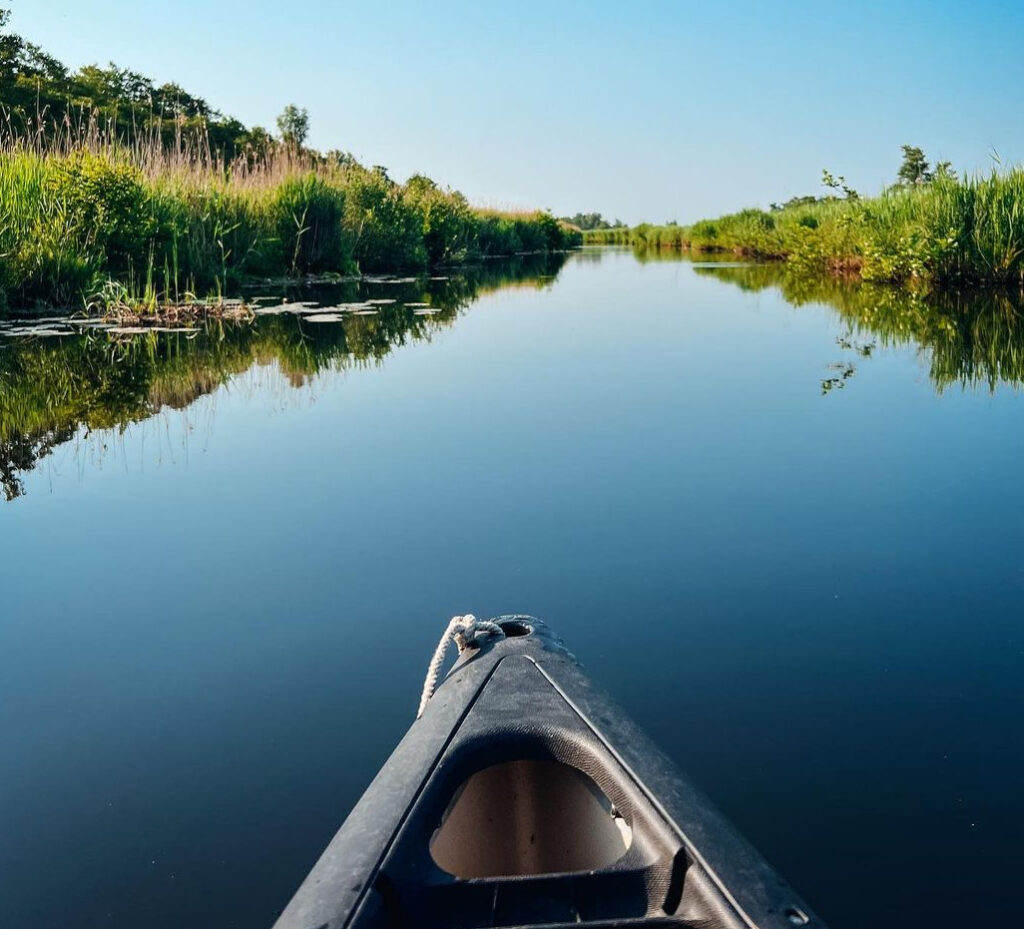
x: 68, y: 221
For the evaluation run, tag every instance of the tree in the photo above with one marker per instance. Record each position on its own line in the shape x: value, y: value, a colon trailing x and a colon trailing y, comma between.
x: 589, y: 221
x: 259, y: 142
x: 914, y: 170
x: 293, y: 124
x: 794, y: 202
x: 39, y: 95
x: 339, y: 158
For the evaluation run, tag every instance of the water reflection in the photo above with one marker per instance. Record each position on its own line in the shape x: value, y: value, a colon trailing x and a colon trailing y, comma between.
x: 972, y: 338
x: 59, y: 378
x: 59, y: 381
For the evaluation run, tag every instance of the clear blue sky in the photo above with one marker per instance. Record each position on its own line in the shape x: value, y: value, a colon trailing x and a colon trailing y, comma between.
x: 656, y: 110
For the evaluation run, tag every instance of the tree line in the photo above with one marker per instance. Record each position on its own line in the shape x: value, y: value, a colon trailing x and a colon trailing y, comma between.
x: 41, y: 99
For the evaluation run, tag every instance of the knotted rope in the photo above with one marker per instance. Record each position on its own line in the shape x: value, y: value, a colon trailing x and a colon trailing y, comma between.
x: 464, y: 631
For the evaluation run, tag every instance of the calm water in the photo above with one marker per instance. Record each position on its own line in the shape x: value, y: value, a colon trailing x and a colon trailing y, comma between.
x: 788, y: 538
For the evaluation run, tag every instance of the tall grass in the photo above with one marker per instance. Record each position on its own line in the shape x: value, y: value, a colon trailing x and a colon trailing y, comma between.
x: 949, y: 231
x: 78, y: 210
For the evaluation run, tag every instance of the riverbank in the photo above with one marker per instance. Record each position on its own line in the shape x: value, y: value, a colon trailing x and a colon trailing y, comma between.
x: 114, y: 184
x: 948, y: 231
x: 166, y: 225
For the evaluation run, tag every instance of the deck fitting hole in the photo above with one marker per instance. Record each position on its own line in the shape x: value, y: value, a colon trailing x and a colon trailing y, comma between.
x: 796, y: 916
x: 514, y: 627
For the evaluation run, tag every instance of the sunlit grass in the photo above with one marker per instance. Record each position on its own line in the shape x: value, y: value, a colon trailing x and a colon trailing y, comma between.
x: 166, y: 222
x: 950, y: 230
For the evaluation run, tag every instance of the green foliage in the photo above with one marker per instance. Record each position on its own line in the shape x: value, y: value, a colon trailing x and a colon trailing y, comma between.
x: 106, y: 206
x: 838, y: 184
x: 44, y: 100
x: 293, y: 124
x: 307, y: 216
x: 914, y: 168
x: 104, y: 174
x: 68, y: 222
x: 388, y: 228
x: 945, y: 229
x: 588, y: 221
x: 446, y: 218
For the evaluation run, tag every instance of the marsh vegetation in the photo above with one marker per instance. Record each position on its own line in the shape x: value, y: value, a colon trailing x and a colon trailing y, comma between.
x: 105, y: 176
x: 931, y: 225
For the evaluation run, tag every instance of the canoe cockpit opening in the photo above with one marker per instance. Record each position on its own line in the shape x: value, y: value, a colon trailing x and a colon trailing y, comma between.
x: 529, y: 817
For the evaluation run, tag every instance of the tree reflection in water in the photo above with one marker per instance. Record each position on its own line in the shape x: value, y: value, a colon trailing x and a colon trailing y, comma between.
x: 53, y: 389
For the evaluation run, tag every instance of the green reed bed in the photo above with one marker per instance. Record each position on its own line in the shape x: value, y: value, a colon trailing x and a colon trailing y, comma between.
x: 948, y: 231
x: 170, y: 226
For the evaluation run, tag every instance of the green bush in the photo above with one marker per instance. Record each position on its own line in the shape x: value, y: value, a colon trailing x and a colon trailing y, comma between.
x: 307, y: 215
x: 446, y: 217
x: 388, y: 229
x: 70, y: 222
x: 948, y: 230
x: 106, y: 205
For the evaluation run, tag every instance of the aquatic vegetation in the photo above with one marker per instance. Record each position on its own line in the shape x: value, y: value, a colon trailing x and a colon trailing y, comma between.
x: 950, y: 231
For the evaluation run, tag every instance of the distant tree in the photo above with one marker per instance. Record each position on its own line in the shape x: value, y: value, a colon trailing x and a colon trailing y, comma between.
x: 914, y: 170
x: 339, y: 158
x: 793, y: 202
x: 589, y: 221
x: 258, y: 143
x: 944, y: 169
x: 293, y: 125
x: 23, y: 62
x: 40, y: 95
x: 175, y: 100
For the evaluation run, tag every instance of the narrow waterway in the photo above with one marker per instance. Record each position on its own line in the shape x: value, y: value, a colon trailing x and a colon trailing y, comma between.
x: 779, y: 520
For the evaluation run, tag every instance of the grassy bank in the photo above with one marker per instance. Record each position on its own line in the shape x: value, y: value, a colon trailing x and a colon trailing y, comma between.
x: 947, y: 231
x: 169, y: 223
x: 107, y: 175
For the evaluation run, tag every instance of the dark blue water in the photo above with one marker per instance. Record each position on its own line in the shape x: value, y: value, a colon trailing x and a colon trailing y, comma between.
x: 215, y: 624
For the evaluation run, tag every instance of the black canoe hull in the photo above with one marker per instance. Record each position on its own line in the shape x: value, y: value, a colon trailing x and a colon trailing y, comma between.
x: 533, y: 776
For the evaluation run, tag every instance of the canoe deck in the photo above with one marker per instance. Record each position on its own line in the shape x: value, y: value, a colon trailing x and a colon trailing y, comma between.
x: 523, y: 797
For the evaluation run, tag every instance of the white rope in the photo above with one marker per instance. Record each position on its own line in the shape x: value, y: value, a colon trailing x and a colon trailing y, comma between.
x: 464, y: 632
